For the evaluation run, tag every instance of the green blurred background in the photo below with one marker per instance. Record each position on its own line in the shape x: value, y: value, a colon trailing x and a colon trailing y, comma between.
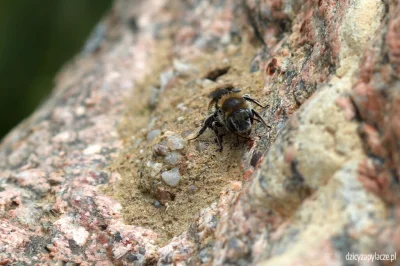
x: 36, y: 39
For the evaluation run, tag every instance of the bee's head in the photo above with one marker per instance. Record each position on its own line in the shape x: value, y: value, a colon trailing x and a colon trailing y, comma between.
x: 240, y: 122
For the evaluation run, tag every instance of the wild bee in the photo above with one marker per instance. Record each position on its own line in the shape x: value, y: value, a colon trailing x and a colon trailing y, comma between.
x: 230, y: 109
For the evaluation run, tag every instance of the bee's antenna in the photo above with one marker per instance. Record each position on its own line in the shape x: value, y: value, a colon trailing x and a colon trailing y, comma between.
x: 248, y: 98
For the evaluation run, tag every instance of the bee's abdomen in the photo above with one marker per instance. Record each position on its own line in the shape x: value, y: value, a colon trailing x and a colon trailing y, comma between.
x: 231, y: 104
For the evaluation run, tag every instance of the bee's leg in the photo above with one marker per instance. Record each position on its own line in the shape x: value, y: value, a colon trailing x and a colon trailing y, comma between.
x: 207, y: 124
x: 214, y: 126
x: 218, y: 124
x: 248, y: 98
x: 260, y: 118
x: 243, y: 137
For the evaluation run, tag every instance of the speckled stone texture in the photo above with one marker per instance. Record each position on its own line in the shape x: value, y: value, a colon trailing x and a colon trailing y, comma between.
x: 327, y: 182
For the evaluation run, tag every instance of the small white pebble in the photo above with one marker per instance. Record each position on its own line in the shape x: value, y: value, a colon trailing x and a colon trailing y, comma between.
x: 180, y: 119
x: 79, y: 111
x: 92, y: 149
x: 206, y: 83
x: 165, y: 77
x: 171, y: 177
x: 181, y: 107
x: 175, y: 142
x: 153, y: 134
x: 173, y: 158
x: 80, y: 235
x: 226, y: 38
x: 168, y: 133
x: 183, y: 68
x: 232, y: 49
